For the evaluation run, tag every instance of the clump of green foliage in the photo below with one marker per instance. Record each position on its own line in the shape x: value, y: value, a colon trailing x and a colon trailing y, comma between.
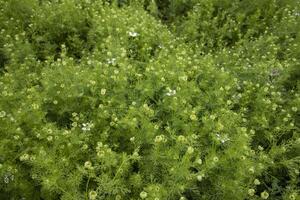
x: 155, y: 100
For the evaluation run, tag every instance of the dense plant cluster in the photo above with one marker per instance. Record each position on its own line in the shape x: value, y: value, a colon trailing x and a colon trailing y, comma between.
x: 154, y: 99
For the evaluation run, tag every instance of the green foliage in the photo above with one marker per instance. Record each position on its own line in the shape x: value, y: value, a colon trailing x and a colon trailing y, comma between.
x: 156, y: 100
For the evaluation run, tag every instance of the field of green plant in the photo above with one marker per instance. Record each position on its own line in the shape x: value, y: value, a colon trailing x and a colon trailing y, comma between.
x: 149, y: 99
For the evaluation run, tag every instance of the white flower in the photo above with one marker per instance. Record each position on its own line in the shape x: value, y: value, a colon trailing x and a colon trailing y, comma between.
x: 133, y: 34
x: 101, y: 154
x: 260, y: 148
x: 49, y: 138
x: 92, y: 195
x: 251, y: 192
x: 6, y: 179
x: 103, y: 91
x: 199, y: 161
x: 24, y: 157
x: 264, y: 195
x: 181, y: 139
x: 87, y: 126
x: 85, y: 147
x: 251, y: 170
x: 111, y: 61
x: 183, y: 78
x: 193, y: 117
x: 2, y: 114
x: 16, y: 137
x: 35, y: 106
x: 252, y: 132
x: 213, y: 117
x: 88, y: 165
x: 159, y: 139
x: 143, y: 195
x: 215, y: 159
x: 74, y: 124
x: 190, y: 150
x: 200, y: 177
x: 292, y: 197
x: 223, y: 138
x: 170, y: 92
x: 132, y: 139
x: 256, y: 182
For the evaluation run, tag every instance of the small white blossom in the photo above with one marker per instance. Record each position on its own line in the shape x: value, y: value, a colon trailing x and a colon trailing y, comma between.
x: 143, y: 195
x: 160, y: 138
x: 200, y: 177
x: 190, y: 150
x: 24, y: 157
x: 292, y: 197
x: 50, y: 138
x: 93, y: 195
x: 74, y: 124
x: 171, y: 92
x: 2, y: 114
x: 264, y: 195
x: 223, y: 138
x: 181, y: 139
x: 256, y: 182
x: 103, y: 91
x: 85, y: 147
x: 251, y: 192
x: 215, y: 159
x: 133, y: 34
x: 111, y: 61
x: 88, y: 165
x: 251, y: 170
x: 193, y: 117
x: 6, y: 179
x: 87, y: 126
x: 260, y: 148
x: 199, y: 161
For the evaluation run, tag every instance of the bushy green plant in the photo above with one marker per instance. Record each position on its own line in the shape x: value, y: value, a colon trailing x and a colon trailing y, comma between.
x: 157, y: 100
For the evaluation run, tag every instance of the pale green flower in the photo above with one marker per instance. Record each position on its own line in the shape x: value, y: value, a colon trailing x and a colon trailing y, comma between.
x: 264, y: 195
x: 193, y: 117
x: 92, y: 195
x: 190, y: 150
x: 256, y: 182
x: 251, y: 192
x: 143, y: 195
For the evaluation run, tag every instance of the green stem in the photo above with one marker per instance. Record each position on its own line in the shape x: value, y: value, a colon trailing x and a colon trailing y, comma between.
x: 86, y: 188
